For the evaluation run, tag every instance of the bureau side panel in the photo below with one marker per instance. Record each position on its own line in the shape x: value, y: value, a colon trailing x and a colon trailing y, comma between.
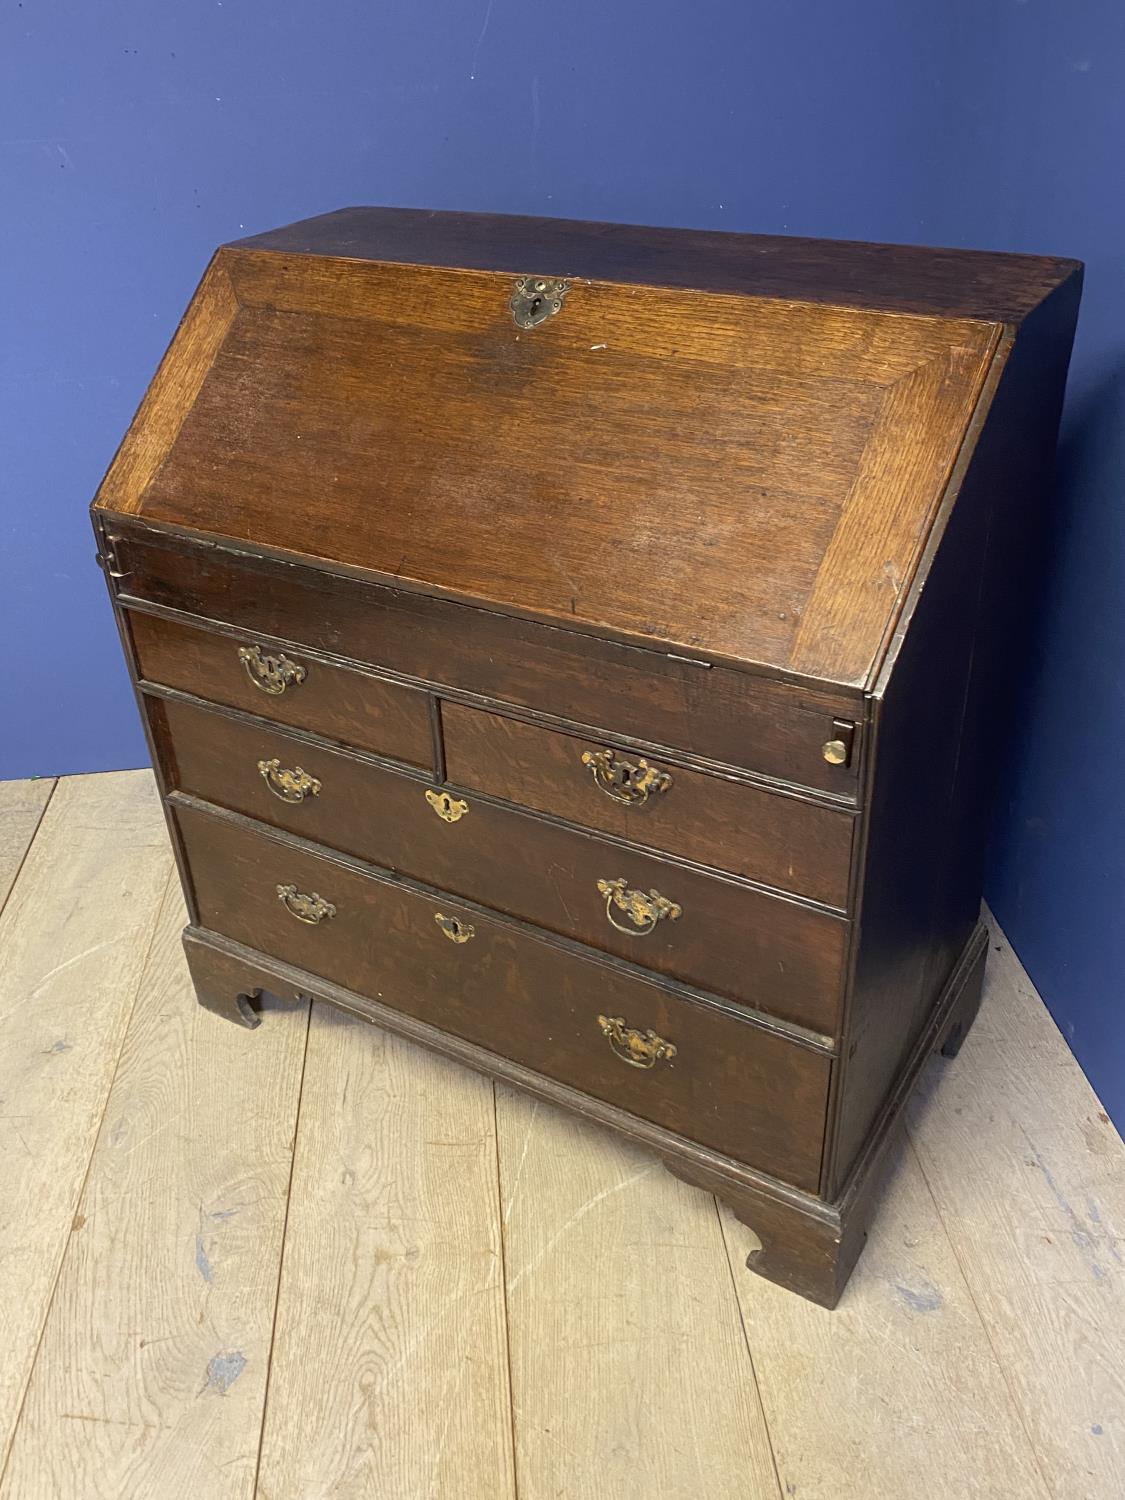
x: 941, y: 720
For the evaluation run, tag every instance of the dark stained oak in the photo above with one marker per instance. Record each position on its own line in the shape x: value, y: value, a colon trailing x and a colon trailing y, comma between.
x: 732, y: 1086
x: 779, y: 840
x: 761, y: 951
x: 765, y: 513
x: 848, y: 273
x: 730, y: 717
x: 344, y: 705
x: 808, y: 1246
x: 778, y: 465
x: 942, y: 720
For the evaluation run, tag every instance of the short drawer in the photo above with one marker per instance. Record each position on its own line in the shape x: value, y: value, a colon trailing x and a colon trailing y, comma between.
x: 243, y: 672
x: 779, y: 840
x: 772, y: 954
x: 687, y: 1065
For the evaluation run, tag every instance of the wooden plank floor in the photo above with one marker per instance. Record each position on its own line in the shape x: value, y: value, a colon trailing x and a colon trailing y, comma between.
x: 312, y: 1261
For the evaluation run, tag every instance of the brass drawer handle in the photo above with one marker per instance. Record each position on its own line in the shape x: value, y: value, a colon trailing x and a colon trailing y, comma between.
x: 311, y: 908
x: 290, y: 786
x: 640, y: 1049
x: 448, y: 808
x: 455, y: 930
x: 643, y: 908
x: 273, y: 674
x: 622, y: 780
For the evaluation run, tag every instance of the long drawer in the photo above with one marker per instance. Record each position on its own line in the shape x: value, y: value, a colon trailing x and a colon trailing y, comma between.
x: 775, y: 955
x: 778, y: 729
x: 690, y: 1066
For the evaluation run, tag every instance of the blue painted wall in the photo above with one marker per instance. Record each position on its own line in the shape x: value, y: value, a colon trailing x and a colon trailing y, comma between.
x: 135, y: 135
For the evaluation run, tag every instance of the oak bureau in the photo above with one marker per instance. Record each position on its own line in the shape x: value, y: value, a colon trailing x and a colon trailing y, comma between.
x: 584, y: 650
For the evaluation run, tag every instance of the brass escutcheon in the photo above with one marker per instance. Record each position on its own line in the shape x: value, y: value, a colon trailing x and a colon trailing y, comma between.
x: 273, y: 674
x: 455, y: 930
x: 290, y: 786
x: 534, y: 299
x: 640, y: 1049
x: 448, y: 808
x: 622, y: 780
x: 311, y: 908
x: 643, y: 908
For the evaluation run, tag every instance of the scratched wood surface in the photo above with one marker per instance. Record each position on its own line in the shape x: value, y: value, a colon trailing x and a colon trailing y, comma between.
x: 630, y: 1372
x: 234, y: 1267
x: 73, y: 939
x: 22, y: 804
x: 390, y: 1373
x: 1028, y: 1174
x: 899, y: 1392
x: 151, y: 1373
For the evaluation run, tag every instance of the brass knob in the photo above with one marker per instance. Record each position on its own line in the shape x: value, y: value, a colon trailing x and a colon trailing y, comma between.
x: 835, y: 752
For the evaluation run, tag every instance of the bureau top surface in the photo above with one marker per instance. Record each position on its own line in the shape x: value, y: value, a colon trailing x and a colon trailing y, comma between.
x: 733, y: 446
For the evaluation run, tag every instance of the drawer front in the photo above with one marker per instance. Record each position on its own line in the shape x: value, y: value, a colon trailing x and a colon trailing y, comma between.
x: 772, y: 954
x: 729, y: 1084
x: 242, y: 672
x: 766, y: 836
x: 716, y: 713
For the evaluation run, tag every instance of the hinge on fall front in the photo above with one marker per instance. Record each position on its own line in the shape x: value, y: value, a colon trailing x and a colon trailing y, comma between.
x: 112, y: 555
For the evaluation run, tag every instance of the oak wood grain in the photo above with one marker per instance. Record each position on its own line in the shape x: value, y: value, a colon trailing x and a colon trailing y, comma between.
x: 174, y: 389
x: 342, y: 705
x: 898, y: 489
x: 653, y: 455
x: 732, y: 1084
x: 781, y: 841
x: 771, y: 727
x: 894, y: 278
x: 774, y: 955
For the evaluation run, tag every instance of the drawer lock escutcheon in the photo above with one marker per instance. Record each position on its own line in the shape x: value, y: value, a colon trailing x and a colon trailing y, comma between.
x: 272, y: 674
x: 455, y: 930
x: 623, y: 781
x: 311, y: 908
x: 449, y: 809
x: 640, y: 1049
x: 289, y: 786
x: 644, y: 909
